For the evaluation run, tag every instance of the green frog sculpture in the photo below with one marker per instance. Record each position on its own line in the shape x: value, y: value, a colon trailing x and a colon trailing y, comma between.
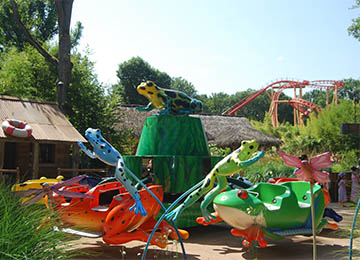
x: 169, y: 101
x: 242, y: 157
x: 276, y: 210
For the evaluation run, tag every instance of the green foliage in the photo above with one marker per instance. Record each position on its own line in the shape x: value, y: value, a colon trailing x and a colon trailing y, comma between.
x: 354, y: 29
x: 318, y: 97
x: 216, y: 103
x: 24, y: 235
x: 26, y: 74
x: 38, y: 16
x: 327, y: 127
x: 183, y: 85
x: 270, y: 166
x: 351, y: 86
x: 218, y: 151
x: 321, y: 134
x: 131, y: 73
x: 345, y: 160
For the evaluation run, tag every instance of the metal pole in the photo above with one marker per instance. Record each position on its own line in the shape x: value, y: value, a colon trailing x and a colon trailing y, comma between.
x: 313, y: 219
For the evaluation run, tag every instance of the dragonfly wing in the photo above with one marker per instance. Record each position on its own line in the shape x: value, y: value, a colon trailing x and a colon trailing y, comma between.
x: 34, y: 199
x: 68, y: 182
x: 290, y: 160
x: 71, y: 194
x: 26, y: 193
x: 321, y: 161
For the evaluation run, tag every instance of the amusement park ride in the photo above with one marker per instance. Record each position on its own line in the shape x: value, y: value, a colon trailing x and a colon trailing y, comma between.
x: 301, y: 107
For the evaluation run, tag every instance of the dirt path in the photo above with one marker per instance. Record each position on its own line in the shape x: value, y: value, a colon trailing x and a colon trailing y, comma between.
x: 216, y: 243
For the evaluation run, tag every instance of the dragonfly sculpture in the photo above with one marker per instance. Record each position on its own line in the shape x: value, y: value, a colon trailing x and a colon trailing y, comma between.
x: 47, y: 191
x: 309, y: 171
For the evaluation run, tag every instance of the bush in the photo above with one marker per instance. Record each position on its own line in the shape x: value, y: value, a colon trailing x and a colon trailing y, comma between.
x: 20, y: 235
x: 270, y: 166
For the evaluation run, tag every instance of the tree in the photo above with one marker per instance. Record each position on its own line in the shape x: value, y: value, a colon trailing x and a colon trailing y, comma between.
x: 216, y: 103
x: 26, y: 74
x: 22, y: 31
x: 38, y: 17
x: 131, y: 73
x: 354, y: 29
x: 183, y: 85
x: 327, y: 127
x: 351, y: 87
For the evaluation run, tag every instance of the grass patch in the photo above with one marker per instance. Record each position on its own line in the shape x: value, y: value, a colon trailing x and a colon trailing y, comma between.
x: 20, y: 235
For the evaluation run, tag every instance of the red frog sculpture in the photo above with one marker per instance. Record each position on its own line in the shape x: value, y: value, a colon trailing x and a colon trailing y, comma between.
x: 107, y: 214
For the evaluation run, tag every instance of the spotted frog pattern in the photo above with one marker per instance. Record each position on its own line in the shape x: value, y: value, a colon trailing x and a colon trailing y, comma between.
x: 242, y: 157
x: 106, y: 153
x: 169, y: 101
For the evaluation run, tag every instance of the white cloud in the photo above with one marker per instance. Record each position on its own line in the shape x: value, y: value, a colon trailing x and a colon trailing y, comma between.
x: 280, y: 58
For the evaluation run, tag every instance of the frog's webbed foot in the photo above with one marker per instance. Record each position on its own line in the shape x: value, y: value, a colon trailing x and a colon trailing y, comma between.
x: 252, y: 233
x: 149, y: 107
x: 138, y: 208
x: 217, y: 219
x: 165, y: 111
x: 208, y: 218
x: 173, y: 215
x: 89, y: 153
x: 186, y: 112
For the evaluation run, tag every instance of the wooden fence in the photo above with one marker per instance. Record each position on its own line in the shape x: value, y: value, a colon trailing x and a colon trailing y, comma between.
x: 16, y: 171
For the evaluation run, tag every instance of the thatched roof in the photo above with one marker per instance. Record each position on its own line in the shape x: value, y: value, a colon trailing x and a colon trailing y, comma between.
x: 229, y: 131
x: 47, y: 121
x: 224, y: 131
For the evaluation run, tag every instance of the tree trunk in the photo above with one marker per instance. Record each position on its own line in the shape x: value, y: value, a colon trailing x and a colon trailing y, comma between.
x: 64, y: 10
x: 64, y: 65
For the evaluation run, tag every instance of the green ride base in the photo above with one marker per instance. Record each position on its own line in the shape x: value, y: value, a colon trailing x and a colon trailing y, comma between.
x: 173, y: 135
x: 180, y: 155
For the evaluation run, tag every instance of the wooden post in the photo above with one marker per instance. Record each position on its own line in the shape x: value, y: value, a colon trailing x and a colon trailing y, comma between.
x: 36, y: 155
x: 2, y: 154
x: 75, y: 157
x: 18, y: 174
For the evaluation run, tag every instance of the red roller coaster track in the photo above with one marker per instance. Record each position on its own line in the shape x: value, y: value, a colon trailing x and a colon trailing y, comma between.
x: 278, y: 87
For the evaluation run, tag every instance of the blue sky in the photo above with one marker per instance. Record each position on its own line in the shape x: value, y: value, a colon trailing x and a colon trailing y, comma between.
x: 223, y: 46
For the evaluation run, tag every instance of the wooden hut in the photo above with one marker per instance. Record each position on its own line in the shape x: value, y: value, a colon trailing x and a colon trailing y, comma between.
x: 50, y: 145
x: 224, y: 131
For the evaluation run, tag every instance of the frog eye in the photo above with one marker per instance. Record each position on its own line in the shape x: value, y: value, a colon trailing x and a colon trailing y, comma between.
x: 242, y: 194
x: 150, y: 84
x: 243, y: 142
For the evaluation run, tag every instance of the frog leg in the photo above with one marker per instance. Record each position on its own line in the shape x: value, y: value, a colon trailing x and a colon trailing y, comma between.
x: 167, y: 104
x: 222, y: 183
x: 243, y: 164
x: 149, y: 107
x: 252, y: 233
x: 121, y: 176
x: 89, y: 153
x: 193, y: 197
x: 201, y: 220
x: 184, y: 111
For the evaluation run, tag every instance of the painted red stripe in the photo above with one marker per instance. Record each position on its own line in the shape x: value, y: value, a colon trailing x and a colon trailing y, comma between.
x: 10, y: 130
x: 29, y: 132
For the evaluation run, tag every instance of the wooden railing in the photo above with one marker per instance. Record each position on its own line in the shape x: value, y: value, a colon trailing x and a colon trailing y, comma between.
x: 61, y: 170
x: 17, y: 171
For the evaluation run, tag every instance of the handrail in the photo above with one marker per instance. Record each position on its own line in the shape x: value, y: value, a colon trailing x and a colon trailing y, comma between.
x: 17, y: 171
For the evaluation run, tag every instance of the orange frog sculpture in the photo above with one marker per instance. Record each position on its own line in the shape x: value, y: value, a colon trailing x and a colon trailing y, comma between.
x: 108, y: 214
